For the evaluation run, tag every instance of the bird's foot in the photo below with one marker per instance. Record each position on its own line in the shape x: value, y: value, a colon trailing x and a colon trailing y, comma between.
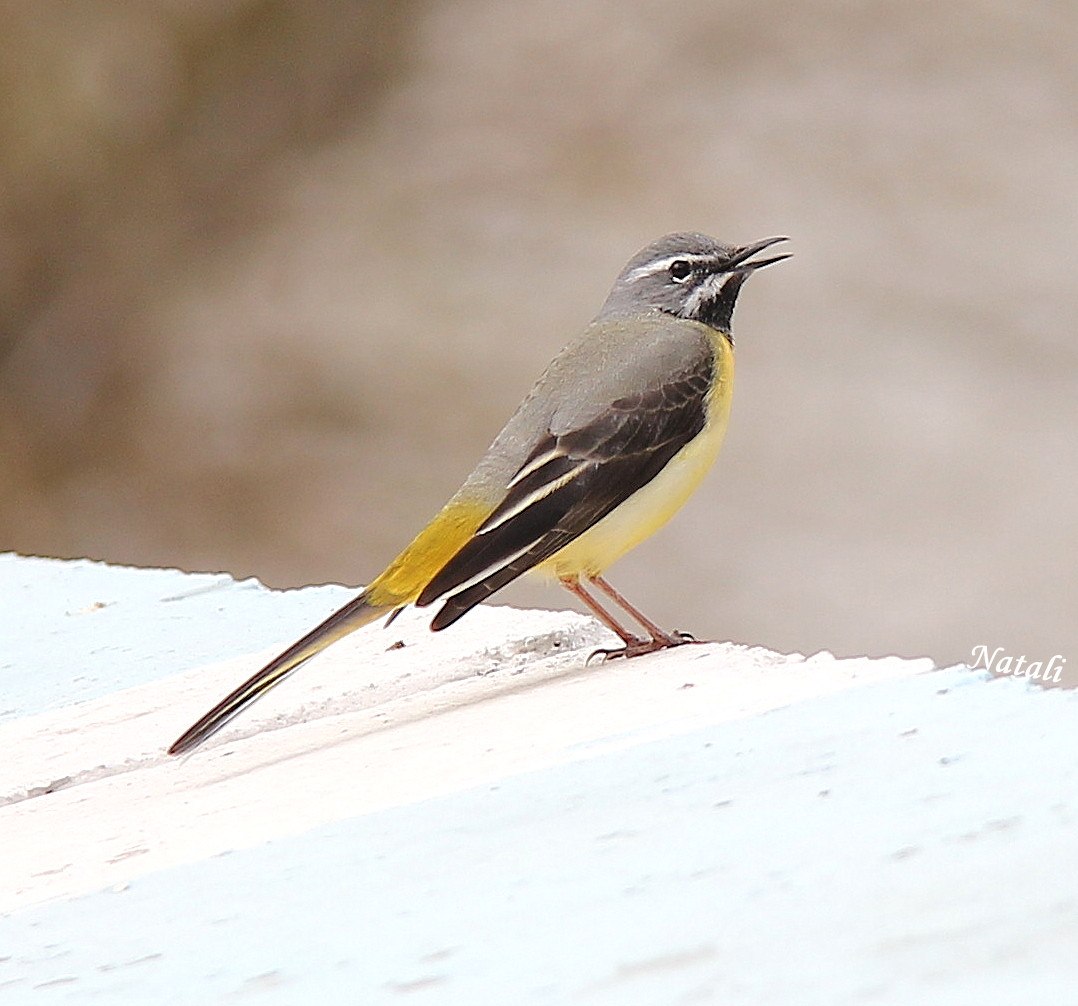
x: 637, y: 647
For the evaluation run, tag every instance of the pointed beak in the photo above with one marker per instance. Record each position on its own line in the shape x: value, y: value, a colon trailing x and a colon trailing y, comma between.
x: 740, y: 263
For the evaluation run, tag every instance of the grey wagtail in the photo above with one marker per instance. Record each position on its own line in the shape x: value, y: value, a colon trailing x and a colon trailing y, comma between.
x: 612, y: 440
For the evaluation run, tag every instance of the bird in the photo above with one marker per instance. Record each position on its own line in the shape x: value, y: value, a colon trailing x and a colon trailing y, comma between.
x: 614, y: 437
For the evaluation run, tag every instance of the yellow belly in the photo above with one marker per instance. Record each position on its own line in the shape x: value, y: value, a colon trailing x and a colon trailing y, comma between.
x: 650, y: 508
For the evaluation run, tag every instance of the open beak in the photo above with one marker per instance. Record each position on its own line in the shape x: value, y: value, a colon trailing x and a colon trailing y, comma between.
x: 740, y: 263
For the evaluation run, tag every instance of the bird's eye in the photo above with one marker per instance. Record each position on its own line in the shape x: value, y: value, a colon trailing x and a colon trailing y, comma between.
x: 680, y: 270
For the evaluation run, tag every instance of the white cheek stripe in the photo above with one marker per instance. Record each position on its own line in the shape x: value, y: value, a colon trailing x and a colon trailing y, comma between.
x: 705, y: 291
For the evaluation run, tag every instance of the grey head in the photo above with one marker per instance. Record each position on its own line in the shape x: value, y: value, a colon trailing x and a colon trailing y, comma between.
x: 688, y: 276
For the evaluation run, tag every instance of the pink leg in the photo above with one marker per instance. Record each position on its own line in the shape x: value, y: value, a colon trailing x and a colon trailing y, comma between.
x: 657, y: 634
x: 577, y: 590
x: 634, y: 645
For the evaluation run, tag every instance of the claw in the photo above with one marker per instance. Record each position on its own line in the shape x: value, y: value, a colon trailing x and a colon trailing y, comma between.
x: 603, y: 655
x: 638, y: 647
x: 632, y: 645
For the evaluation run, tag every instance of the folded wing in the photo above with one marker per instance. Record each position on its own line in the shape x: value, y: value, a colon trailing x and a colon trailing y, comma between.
x: 568, y: 483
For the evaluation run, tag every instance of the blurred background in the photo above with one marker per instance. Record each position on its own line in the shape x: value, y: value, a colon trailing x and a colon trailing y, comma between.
x: 273, y: 274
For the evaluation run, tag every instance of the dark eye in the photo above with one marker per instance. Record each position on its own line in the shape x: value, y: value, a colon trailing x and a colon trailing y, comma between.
x: 680, y: 270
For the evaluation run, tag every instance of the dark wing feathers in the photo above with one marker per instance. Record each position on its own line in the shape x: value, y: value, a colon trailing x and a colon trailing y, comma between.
x: 579, y: 505
x: 587, y: 473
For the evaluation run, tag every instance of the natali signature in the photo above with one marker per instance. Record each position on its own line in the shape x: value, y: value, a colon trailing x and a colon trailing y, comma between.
x: 1003, y: 663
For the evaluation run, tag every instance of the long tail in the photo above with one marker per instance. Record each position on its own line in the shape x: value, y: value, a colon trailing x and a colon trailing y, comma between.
x: 352, y: 616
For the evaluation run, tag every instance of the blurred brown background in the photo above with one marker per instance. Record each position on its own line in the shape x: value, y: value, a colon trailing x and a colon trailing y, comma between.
x: 272, y: 274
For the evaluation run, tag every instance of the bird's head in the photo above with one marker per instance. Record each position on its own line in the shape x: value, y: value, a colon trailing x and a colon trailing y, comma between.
x: 688, y: 276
